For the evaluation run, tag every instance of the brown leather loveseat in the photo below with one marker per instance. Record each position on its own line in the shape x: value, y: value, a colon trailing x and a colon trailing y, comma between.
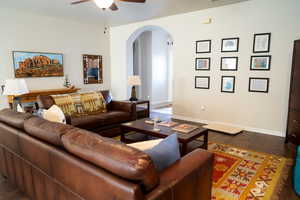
x: 106, y: 124
x: 51, y: 161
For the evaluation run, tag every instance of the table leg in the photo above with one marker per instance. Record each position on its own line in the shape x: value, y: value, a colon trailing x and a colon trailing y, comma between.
x: 184, y: 149
x: 206, y: 139
x: 123, y: 137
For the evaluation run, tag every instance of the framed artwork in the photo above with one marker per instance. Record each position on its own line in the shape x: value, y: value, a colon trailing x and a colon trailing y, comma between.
x: 37, y: 64
x: 202, y: 82
x: 229, y: 63
x: 230, y: 45
x: 259, y: 84
x: 202, y: 64
x: 262, y: 43
x: 228, y: 84
x: 260, y: 63
x: 203, y: 46
x: 92, y: 69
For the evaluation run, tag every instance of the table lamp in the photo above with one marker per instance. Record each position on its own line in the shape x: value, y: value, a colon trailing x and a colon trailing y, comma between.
x: 134, y: 81
x: 15, y: 87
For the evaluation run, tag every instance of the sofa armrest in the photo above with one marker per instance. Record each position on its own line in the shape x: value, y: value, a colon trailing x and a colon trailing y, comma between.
x: 189, y: 178
x: 124, y: 106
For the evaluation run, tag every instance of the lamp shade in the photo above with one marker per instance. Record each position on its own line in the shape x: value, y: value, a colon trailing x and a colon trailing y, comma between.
x: 15, y: 87
x: 134, y: 80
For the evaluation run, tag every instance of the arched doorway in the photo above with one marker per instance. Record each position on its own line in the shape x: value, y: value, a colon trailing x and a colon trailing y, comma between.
x: 149, y: 53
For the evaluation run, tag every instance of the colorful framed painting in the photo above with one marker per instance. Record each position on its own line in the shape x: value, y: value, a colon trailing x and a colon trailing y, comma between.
x: 229, y: 63
x: 37, y: 64
x: 203, y: 46
x: 202, y: 82
x: 202, y: 64
x: 262, y: 43
x: 262, y: 63
x: 230, y: 45
x: 259, y: 84
x: 228, y: 84
x: 92, y: 69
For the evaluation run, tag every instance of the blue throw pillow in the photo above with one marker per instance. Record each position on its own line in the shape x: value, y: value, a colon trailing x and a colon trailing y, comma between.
x: 165, y: 153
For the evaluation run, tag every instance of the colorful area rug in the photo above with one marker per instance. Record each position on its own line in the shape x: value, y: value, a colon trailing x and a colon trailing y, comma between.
x: 241, y: 174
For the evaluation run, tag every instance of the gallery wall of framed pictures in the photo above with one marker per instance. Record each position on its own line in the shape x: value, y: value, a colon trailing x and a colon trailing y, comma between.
x: 260, y: 60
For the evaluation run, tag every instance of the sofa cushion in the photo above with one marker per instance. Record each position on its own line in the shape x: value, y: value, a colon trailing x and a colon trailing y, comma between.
x: 114, y: 117
x: 54, y: 114
x: 118, y: 158
x: 50, y: 132
x: 15, y: 119
x: 66, y: 103
x: 90, y: 122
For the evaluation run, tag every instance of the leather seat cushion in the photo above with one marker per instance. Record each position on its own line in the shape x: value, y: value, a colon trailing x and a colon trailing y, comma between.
x: 50, y: 132
x: 90, y: 122
x: 15, y: 119
x: 112, y: 155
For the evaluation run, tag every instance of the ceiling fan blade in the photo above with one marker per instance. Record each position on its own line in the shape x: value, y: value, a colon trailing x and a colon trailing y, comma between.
x: 134, y: 1
x: 114, y: 7
x: 78, y: 2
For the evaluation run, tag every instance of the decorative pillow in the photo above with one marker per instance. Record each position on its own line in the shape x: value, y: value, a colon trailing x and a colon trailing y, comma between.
x: 54, y: 114
x: 66, y: 104
x: 145, y: 145
x: 165, y: 153
x: 93, y: 103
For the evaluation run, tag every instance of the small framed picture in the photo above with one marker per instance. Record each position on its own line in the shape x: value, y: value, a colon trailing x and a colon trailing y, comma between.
x: 229, y: 63
x: 202, y: 82
x: 228, y: 84
x: 203, y: 46
x: 202, y: 64
x: 260, y: 63
x: 259, y: 84
x: 262, y: 43
x: 230, y: 45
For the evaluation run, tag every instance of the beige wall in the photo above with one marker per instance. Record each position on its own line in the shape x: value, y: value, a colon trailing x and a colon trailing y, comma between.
x: 264, y: 113
x: 23, y: 31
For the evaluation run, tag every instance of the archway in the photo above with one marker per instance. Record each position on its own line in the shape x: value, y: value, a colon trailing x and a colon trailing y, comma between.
x: 149, y: 54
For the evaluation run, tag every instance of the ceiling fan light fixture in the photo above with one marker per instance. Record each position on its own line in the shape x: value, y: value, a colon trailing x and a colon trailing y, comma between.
x: 104, y: 4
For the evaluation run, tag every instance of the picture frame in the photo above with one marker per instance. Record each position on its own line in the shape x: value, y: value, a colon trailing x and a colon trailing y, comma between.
x: 261, y: 63
x: 202, y: 82
x: 229, y: 63
x: 257, y: 84
x: 28, y: 64
x: 92, y: 69
x: 230, y: 45
x: 203, y: 46
x: 202, y: 64
x: 261, y: 43
x: 228, y: 84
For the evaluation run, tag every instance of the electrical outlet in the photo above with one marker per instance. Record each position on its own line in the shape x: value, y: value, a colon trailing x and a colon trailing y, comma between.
x: 203, y: 108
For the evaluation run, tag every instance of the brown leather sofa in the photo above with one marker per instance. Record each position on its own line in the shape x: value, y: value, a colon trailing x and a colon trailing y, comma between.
x: 106, y: 124
x: 52, y: 161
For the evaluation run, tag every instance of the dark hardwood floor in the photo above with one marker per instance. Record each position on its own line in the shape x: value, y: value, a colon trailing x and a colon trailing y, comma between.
x: 248, y: 140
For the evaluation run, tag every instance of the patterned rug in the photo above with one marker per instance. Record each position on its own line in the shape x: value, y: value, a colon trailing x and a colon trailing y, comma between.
x: 241, y: 174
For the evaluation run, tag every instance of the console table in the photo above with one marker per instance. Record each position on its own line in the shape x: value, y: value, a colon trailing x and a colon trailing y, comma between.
x: 33, y: 94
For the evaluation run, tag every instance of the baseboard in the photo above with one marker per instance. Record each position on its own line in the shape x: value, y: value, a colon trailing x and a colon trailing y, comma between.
x: 246, y: 128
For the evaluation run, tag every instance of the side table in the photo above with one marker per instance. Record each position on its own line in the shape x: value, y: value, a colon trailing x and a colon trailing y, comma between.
x: 142, y: 108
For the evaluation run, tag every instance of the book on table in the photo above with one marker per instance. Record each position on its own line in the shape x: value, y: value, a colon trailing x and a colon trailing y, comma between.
x: 184, y: 128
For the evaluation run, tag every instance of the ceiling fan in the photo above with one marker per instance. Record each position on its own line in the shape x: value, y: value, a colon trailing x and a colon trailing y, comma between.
x: 107, y: 4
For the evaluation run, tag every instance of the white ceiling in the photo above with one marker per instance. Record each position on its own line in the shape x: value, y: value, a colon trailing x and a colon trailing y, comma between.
x: 127, y: 13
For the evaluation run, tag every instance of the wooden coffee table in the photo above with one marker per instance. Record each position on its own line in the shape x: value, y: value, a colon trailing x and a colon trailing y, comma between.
x: 140, y: 126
